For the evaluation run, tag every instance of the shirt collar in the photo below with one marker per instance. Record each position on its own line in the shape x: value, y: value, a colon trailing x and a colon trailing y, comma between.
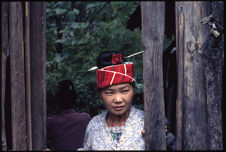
x: 105, y: 134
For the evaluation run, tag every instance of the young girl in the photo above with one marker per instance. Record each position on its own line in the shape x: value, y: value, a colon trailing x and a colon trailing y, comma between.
x: 120, y: 126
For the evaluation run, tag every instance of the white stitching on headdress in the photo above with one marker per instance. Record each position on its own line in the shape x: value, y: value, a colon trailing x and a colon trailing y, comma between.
x: 112, y: 78
x: 125, y: 68
x: 118, y: 73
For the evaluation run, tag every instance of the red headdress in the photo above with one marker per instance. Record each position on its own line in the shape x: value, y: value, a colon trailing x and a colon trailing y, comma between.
x: 112, y: 68
x: 115, y: 74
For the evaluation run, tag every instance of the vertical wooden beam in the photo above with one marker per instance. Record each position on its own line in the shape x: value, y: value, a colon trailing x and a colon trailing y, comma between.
x: 38, y: 73
x: 28, y: 76
x: 214, y: 63
x: 180, y: 73
x: 153, y: 17
x: 195, y: 114
x: 17, y: 77
x: 192, y: 99
x: 4, y: 54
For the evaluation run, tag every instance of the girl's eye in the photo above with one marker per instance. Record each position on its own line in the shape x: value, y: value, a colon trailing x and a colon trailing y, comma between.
x: 108, y: 93
x: 125, y: 91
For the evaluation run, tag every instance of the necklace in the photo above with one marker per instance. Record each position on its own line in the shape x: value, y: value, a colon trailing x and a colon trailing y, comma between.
x: 116, y: 132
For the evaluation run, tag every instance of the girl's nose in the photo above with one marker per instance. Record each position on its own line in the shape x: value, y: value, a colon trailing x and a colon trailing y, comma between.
x: 118, y: 99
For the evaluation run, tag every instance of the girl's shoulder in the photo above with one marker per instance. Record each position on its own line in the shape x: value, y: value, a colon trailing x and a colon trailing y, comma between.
x: 137, y: 112
x: 98, y: 119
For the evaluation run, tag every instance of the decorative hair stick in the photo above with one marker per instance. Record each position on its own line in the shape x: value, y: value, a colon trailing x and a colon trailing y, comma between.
x: 94, y: 68
x: 134, y: 54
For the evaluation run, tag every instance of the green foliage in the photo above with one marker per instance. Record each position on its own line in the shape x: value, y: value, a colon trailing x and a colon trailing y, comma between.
x: 76, y: 33
x: 83, y: 30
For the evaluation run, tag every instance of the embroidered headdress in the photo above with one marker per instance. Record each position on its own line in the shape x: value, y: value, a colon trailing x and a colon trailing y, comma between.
x: 113, y: 69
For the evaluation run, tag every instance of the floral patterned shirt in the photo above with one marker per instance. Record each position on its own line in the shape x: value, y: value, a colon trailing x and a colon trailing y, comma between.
x: 99, y: 136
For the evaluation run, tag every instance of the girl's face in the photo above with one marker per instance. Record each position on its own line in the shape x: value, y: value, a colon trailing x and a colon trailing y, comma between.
x: 117, y: 98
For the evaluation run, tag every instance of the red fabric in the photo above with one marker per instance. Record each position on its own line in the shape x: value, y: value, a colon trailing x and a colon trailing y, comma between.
x: 115, y: 74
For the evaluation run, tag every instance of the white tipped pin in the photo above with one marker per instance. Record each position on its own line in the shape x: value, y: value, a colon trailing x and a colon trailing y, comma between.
x: 92, y: 69
x: 134, y: 54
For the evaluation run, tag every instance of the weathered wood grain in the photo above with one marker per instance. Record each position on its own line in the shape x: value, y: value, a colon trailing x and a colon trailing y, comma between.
x: 38, y: 73
x: 180, y: 73
x: 153, y: 22
x: 213, y: 67
x: 17, y: 77
x: 4, y: 55
x: 199, y: 123
x: 28, y: 75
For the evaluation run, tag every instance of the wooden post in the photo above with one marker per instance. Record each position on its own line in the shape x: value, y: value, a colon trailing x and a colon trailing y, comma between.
x: 5, y: 54
x: 38, y: 73
x: 17, y: 77
x: 214, y: 63
x: 192, y: 101
x: 28, y: 75
x: 153, y: 17
x: 180, y: 73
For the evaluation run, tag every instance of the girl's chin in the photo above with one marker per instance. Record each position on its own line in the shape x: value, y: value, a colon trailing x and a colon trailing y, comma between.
x: 118, y: 112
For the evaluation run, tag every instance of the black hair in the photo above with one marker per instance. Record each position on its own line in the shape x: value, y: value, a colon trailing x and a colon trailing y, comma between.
x: 66, y: 95
x: 105, y: 58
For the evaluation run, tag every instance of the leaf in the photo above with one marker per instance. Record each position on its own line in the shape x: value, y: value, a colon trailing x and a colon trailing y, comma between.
x: 94, y: 4
x: 60, y: 11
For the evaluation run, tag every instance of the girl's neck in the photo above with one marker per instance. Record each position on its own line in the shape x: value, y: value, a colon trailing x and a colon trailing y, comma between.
x: 114, y: 120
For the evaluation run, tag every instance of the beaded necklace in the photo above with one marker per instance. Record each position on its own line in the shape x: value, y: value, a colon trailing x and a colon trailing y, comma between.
x: 116, y: 132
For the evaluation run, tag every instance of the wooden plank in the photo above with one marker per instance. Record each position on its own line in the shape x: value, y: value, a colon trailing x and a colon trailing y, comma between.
x: 28, y: 75
x: 214, y: 63
x: 153, y: 17
x: 38, y: 72
x: 17, y: 77
x: 180, y: 72
x: 5, y: 53
x: 194, y: 126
